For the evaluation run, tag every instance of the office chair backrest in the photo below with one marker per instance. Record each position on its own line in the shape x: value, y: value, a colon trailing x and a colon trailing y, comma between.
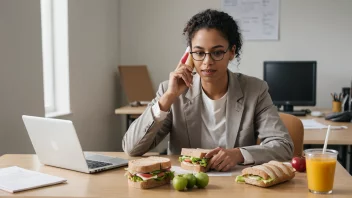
x: 295, y: 128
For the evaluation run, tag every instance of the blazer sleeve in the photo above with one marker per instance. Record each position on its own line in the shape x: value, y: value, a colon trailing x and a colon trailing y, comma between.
x: 145, y: 133
x: 276, y: 143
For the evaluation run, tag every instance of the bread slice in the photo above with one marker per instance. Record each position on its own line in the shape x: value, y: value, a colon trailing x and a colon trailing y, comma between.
x: 149, y: 183
x: 277, y: 171
x: 258, y: 183
x: 193, y: 167
x: 165, y: 163
x: 287, y: 170
x: 149, y: 164
x: 199, y: 153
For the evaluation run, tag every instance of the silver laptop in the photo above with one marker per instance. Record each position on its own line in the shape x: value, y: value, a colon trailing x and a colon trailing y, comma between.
x: 56, y: 143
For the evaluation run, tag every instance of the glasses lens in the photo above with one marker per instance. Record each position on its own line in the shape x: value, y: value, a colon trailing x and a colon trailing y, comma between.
x: 217, y: 55
x: 198, y: 56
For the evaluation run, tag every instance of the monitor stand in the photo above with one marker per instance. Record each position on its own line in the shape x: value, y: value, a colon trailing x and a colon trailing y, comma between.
x: 289, y: 110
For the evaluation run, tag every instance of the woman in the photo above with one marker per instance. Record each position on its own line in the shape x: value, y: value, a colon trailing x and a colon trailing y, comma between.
x: 215, y: 108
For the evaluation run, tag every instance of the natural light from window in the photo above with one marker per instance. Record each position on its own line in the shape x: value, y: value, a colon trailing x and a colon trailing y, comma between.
x: 54, y: 19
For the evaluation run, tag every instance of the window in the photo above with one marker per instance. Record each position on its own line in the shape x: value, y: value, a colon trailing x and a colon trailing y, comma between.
x: 54, y: 19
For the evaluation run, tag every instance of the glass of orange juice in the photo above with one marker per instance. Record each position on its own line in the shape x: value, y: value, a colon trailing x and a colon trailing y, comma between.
x: 320, y: 170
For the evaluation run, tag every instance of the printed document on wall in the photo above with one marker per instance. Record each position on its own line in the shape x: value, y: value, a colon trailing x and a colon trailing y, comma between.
x: 258, y: 19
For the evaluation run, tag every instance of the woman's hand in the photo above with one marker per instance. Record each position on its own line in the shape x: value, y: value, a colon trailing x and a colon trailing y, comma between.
x: 224, y: 159
x: 179, y: 80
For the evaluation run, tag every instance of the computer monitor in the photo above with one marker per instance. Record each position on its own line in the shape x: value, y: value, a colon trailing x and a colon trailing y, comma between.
x: 291, y: 83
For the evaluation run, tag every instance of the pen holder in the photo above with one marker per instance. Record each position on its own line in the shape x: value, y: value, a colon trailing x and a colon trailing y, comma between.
x: 336, y: 106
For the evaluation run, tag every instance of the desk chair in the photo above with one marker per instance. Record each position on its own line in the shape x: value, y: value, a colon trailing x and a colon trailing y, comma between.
x: 295, y: 128
x: 296, y: 131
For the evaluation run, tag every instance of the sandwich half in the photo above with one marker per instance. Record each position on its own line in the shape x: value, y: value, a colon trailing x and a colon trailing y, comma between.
x: 149, y: 172
x: 194, y: 159
x: 267, y: 174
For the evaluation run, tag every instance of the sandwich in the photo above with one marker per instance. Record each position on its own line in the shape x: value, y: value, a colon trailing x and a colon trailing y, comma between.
x: 267, y: 174
x: 149, y: 172
x: 194, y: 159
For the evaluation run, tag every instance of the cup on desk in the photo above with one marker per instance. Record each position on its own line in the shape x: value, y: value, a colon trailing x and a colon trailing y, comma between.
x: 320, y: 170
x: 336, y: 106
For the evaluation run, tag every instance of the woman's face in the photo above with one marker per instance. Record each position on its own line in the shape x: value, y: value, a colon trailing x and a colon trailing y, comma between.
x: 211, y: 41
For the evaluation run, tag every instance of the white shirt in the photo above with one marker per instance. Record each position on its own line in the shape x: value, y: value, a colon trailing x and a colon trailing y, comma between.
x: 213, y: 115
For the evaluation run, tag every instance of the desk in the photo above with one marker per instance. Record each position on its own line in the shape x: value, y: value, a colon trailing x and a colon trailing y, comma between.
x: 342, y: 137
x: 112, y: 183
x: 317, y: 136
x: 130, y: 112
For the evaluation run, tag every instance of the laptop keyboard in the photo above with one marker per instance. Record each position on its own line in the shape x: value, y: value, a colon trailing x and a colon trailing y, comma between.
x: 95, y: 164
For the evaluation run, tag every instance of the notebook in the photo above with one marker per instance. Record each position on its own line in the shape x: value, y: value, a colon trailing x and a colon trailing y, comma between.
x: 14, y: 179
x: 312, y: 124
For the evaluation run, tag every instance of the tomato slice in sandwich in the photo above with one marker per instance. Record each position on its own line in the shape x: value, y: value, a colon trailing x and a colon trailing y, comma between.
x: 146, y: 175
x: 188, y: 160
x: 161, y: 174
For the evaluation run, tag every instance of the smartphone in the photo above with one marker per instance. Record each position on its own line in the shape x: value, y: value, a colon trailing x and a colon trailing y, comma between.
x: 187, y: 58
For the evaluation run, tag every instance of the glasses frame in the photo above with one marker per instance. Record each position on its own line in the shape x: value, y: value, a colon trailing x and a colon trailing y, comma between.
x: 223, y: 55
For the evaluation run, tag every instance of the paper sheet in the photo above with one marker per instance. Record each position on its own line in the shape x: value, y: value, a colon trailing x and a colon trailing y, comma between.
x: 178, y: 171
x: 312, y: 124
x: 14, y: 179
x: 258, y: 19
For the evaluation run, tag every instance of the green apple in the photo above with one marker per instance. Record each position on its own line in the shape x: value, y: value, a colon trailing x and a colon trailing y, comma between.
x: 202, y: 180
x: 191, y: 180
x: 179, y: 182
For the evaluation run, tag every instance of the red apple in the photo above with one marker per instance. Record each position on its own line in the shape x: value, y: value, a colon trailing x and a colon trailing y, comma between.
x: 299, y: 163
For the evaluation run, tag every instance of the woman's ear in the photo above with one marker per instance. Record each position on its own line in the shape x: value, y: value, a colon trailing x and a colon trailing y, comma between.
x: 232, y: 52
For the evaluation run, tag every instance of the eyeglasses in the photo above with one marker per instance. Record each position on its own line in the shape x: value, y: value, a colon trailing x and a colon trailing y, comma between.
x: 217, y: 55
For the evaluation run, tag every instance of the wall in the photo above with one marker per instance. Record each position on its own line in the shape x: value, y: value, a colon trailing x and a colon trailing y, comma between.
x: 21, y: 81
x: 93, y: 51
x: 151, y: 34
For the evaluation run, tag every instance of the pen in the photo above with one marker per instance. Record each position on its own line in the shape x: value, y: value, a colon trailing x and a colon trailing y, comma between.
x: 336, y: 97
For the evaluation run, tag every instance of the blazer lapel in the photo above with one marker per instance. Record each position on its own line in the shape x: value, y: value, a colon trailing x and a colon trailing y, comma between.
x: 234, y: 109
x: 192, y: 112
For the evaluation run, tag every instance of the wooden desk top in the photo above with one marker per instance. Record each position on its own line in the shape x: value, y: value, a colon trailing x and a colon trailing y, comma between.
x: 112, y: 183
x: 130, y: 110
x: 317, y: 136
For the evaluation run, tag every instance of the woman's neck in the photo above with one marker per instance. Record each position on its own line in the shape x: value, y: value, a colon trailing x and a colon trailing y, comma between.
x: 215, y: 90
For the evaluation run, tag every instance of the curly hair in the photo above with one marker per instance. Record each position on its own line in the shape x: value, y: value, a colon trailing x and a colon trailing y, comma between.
x: 218, y: 20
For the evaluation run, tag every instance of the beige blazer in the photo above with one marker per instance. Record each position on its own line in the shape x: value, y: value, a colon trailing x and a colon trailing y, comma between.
x: 250, y: 115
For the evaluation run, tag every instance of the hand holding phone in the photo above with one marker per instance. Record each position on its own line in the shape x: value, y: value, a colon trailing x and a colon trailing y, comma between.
x: 179, y: 81
x: 182, y: 77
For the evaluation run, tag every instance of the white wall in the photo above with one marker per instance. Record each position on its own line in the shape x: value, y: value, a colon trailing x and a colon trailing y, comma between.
x: 93, y: 51
x: 151, y: 34
x: 21, y: 81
